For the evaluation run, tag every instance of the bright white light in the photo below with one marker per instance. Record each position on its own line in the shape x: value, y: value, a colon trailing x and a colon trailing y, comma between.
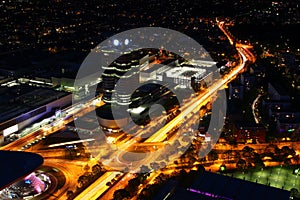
x: 126, y: 42
x: 71, y: 142
x: 116, y: 42
x: 137, y: 110
x: 10, y: 130
x: 110, y: 140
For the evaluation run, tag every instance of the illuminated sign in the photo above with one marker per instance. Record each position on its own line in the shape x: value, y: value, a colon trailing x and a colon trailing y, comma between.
x: 58, y: 113
x: 10, y: 130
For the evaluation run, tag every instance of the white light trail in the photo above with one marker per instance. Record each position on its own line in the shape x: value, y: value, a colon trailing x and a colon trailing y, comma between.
x: 71, y: 142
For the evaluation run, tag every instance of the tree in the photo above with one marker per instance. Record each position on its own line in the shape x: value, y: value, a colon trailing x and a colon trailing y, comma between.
x: 212, y: 155
x: 70, y: 194
x: 258, y: 162
x: 287, y: 162
x: 158, y: 180
x: 200, y: 168
x: 155, y: 166
x: 232, y: 142
x: 203, y: 159
x: 144, y: 169
x: 87, y: 167
x: 233, y: 154
x: 241, y: 164
x: 70, y: 153
x: 295, y: 193
x: 162, y: 164
x: 247, y: 151
x: 80, y: 151
x: 295, y: 159
x: 285, y: 151
x: 182, y: 175
x: 82, y: 180
x: 191, y: 160
x: 121, y: 194
x: 108, y: 184
x: 271, y: 150
x: 96, y: 169
x: 144, y: 195
x: 133, y: 185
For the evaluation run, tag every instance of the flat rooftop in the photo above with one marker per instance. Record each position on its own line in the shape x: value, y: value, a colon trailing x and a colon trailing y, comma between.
x: 215, y: 186
x: 185, y: 72
x: 21, y: 99
x: 281, y: 89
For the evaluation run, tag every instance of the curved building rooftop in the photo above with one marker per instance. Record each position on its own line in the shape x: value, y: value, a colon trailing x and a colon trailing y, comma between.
x: 112, y: 120
x: 15, y: 165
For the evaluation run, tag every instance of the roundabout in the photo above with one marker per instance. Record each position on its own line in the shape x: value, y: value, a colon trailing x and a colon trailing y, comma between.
x: 40, y: 184
x: 133, y: 157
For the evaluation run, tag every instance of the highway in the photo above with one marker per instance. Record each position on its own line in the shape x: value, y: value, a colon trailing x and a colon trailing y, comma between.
x: 191, y: 106
x: 58, y: 123
x: 99, y: 186
x: 253, y: 107
x: 161, y: 135
x: 195, y: 104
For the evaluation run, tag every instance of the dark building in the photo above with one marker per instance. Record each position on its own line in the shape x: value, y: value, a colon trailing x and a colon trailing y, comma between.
x: 278, y: 92
x: 249, y: 132
x: 22, y: 105
x: 214, y: 186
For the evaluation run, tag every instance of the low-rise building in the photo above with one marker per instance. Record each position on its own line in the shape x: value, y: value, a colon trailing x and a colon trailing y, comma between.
x: 22, y: 105
x: 249, y: 132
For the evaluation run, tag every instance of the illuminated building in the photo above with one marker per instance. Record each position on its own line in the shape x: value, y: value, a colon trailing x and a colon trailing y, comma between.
x: 182, y: 76
x: 23, y: 105
x: 122, y: 73
x: 249, y: 132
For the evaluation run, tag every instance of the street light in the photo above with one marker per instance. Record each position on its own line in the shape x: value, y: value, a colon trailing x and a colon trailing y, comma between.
x: 297, y: 171
x: 222, y: 168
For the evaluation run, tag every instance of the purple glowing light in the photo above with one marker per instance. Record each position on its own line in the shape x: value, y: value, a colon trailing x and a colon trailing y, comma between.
x: 208, y: 194
x: 37, y: 183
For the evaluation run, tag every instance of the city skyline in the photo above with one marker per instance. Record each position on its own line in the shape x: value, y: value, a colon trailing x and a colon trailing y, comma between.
x: 151, y: 100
